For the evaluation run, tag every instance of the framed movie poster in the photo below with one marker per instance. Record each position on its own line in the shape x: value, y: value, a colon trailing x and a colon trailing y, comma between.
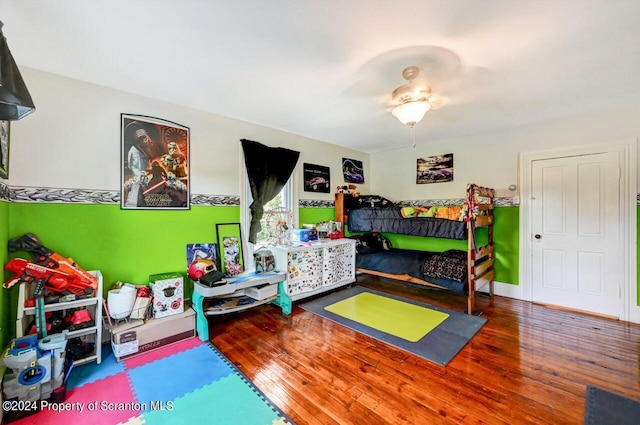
x: 5, y: 128
x: 230, y: 245
x: 435, y: 169
x: 352, y: 170
x: 154, y: 163
x: 316, y: 178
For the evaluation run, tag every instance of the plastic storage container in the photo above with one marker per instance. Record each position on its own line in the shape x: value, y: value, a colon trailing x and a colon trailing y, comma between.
x: 120, y: 301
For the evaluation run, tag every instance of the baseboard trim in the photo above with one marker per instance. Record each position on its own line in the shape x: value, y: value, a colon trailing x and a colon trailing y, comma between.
x: 515, y: 291
x: 505, y: 290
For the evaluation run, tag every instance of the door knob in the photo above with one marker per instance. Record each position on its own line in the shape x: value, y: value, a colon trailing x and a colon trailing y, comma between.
x: 537, y: 236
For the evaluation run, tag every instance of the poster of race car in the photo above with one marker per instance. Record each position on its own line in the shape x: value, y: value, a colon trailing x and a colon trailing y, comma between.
x: 316, y: 178
x: 435, y: 169
x: 352, y: 170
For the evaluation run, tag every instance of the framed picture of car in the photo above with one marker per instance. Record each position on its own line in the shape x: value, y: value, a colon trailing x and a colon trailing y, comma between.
x: 352, y: 170
x: 435, y: 169
x: 316, y: 178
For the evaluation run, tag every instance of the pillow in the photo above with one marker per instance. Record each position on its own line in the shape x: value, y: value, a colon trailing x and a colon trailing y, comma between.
x: 447, y: 266
x: 371, y: 242
x: 452, y: 212
x: 372, y: 201
x: 408, y: 212
x: 456, y: 253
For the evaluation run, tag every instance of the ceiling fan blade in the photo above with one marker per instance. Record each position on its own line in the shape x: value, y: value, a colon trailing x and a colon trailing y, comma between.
x: 451, y: 82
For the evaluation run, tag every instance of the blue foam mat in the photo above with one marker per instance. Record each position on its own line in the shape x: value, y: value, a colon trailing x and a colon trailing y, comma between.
x: 176, y: 375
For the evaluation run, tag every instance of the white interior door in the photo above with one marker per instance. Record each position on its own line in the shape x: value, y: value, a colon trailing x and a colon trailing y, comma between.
x: 577, y: 249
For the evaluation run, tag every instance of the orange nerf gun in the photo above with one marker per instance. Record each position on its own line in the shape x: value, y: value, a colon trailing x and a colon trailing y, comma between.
x: 50, y: 264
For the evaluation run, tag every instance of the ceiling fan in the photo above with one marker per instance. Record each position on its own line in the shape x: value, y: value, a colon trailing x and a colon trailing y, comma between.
x: 411, y: 101
x: 433, y: 76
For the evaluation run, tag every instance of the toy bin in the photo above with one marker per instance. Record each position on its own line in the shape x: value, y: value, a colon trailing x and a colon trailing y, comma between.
x: 120, y: 301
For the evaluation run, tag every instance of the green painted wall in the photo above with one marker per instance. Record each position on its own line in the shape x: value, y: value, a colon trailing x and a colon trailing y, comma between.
x: 505, y: 236
x: 130, y: 245
x: 315, y: 215
x: 124, y: 245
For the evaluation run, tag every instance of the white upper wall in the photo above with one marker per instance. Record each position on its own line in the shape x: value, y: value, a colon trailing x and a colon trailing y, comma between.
x: 72, y: 141
x: 491, y: 159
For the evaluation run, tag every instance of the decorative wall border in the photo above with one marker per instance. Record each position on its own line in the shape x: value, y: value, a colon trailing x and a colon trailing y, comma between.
x: 499, y: 202
x: 315, y: 203
x: 84, y: 196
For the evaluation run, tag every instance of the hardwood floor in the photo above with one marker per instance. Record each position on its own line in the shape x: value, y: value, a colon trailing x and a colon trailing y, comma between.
x: 528, y: 364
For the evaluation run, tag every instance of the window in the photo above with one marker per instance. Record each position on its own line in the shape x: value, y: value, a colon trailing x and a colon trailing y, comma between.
x: 287, y: 198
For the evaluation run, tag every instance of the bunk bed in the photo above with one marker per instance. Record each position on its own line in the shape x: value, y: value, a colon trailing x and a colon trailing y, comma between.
x: 454, y: 270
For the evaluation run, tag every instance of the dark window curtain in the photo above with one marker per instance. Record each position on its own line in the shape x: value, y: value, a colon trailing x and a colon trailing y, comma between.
x: 268, y: 170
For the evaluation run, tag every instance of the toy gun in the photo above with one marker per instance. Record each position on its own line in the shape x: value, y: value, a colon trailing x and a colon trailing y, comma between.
x: 78, y: 279
x: 53, y: 280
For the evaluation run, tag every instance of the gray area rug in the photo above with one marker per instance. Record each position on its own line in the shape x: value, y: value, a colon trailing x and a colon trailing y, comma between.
x: 439, y: 346
x: 607, y: 408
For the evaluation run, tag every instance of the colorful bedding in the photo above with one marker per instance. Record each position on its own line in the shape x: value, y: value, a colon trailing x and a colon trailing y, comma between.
x: 453, y: 212
x: 391, y: 220
x: 415, y: 263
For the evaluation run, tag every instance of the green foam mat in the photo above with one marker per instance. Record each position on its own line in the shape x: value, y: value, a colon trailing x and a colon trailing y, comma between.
x: 227, y: 401
x: 404, y: 320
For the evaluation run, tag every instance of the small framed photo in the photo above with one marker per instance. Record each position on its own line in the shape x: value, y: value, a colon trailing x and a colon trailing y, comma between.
x: 230, y: 245
x: 154, y: 163
x: 5, y: 129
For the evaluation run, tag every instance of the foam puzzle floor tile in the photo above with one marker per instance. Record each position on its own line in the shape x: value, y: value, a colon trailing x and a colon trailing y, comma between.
x: 92, y: 372
x: 184, y: 383
x: 177, y: 374
x: 241, y: 405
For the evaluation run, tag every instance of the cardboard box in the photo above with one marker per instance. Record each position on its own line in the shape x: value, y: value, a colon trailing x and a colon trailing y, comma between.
x: 137, y: 337
x: 168, y: 293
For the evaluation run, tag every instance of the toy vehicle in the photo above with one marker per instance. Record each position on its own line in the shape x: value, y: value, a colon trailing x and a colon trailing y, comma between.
x: 353, y: 177
x: 316, y: 182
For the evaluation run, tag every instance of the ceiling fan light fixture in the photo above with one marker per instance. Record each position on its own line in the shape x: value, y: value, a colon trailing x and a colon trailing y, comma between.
x: 410, y: 113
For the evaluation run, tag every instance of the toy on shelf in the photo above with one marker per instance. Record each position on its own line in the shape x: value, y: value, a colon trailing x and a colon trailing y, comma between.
x: 351, y: 189
x: 263, y: 259
x: 53, y: 280
x: 59, y: 274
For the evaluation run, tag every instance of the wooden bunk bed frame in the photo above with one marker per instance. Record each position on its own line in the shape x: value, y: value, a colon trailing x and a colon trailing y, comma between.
x: 480, y: 260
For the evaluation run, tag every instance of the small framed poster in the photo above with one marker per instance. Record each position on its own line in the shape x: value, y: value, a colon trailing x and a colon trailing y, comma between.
x: 316, y: 178
x: 435, y: 169
x: 230, y: 245
x: 352, y: 170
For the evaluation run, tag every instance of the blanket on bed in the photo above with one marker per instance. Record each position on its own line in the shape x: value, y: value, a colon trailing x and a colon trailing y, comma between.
x: 390, y: 220
x: 447, y: 269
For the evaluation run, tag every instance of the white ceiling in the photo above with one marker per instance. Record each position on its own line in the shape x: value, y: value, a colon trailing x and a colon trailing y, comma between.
x: 325, y: 68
